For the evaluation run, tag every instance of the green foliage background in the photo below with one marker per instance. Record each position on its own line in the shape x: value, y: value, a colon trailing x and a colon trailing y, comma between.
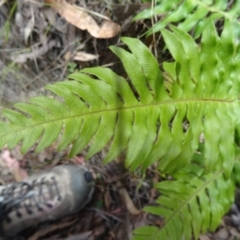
x: 191, y: 15
x: 183, y: 115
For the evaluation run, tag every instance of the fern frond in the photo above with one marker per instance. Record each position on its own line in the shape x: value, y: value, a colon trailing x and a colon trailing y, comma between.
x: 191, y: 14
x: 159, y: 116
x: 191, y: 204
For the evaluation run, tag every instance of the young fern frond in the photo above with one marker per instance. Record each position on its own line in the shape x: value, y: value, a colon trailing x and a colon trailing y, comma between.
x: 191, y: 204
x: 191, y: 14
x: 158, y: 117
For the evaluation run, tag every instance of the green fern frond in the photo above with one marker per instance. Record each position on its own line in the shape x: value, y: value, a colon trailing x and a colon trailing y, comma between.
x: 159, y: 116
x: 191, y: 204
x: 191, y: 14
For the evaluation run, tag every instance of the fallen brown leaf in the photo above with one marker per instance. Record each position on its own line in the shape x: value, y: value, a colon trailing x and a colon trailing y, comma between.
x: 107, y: 199
x: 128, y: 202
x: 82, y: 236
x: 35, y: 53
x: 52, y: 228
x: 204, y: 237
x: 84, y: 57
x: 235, y: 233
x: 84, y: 21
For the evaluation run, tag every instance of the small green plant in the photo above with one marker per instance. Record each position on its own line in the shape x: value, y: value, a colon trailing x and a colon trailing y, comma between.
x: 5, y: 30
x: 184, y: 118
x: 72, y: 66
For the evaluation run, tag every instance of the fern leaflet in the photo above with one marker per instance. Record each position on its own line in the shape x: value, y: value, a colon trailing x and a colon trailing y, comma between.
x: 191, y: 14
x: 192, y: 203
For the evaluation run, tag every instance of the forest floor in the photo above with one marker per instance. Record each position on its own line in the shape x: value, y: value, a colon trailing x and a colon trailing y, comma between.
x: 39, y: 46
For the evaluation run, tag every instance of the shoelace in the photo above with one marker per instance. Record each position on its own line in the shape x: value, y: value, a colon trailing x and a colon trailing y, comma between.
x: 27, y: 195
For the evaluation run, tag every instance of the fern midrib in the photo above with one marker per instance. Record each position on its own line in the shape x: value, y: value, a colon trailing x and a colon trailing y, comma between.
x: 122, y: 108
x: 189, y: 199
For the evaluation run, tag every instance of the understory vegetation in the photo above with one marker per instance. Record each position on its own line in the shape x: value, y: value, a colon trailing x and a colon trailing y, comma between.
x: 181, y: 115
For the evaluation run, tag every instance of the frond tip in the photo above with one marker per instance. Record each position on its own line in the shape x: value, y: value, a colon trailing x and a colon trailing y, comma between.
x: 157, y: 117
